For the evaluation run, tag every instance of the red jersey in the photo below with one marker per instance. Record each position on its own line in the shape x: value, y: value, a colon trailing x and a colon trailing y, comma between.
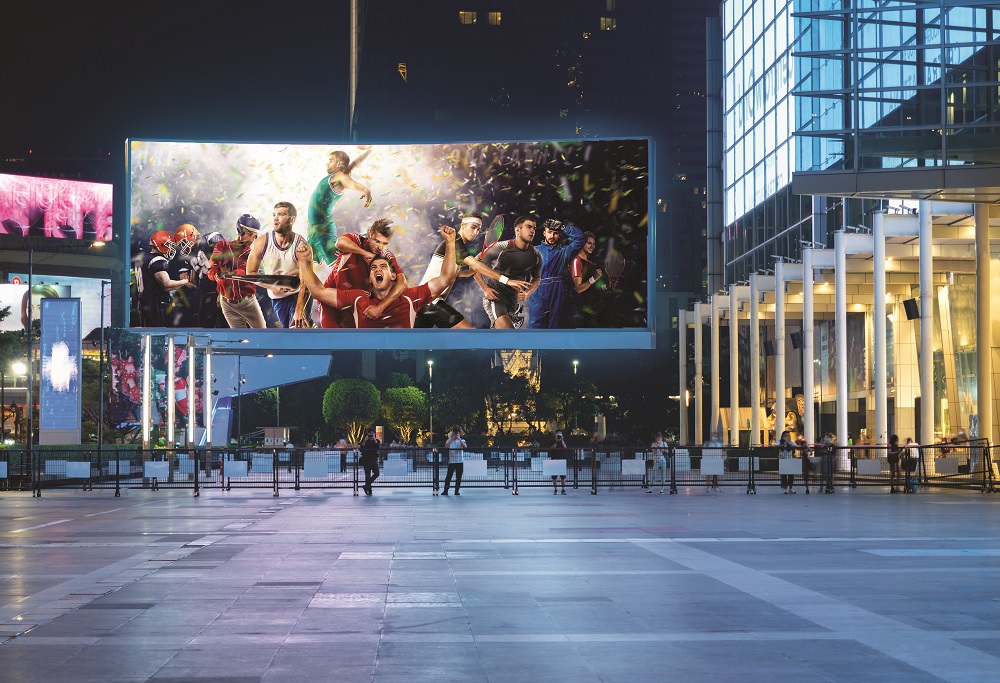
x: 350, y: 271
x: 399, y: 314
x: 231, y: 257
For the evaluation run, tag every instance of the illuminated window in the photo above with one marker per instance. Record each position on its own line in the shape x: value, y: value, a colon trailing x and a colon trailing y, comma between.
x: 494, y: 18
x: 466, y: 17
x: 608, y: 24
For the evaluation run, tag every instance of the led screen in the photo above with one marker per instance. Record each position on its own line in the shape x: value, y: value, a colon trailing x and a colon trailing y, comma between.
x: 87, y: 290
x: 588, y: 201
x: 49, y: 207
x: 59, y: 412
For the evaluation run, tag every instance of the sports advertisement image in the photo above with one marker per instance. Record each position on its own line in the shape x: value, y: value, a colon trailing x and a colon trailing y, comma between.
x: 338, y: 238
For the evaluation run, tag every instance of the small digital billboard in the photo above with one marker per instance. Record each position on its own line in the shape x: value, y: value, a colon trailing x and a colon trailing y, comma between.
x: 53, y: 207
x: 60, y: 381
x: 87, y: 290
x: 342, y: 239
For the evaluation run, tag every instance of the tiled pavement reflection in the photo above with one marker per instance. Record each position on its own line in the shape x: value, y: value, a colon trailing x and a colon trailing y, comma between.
x: 323, y: 586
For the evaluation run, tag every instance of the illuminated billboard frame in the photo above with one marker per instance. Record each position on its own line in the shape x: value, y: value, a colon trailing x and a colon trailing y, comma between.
x: 52, y: 207
x: 340, y: 190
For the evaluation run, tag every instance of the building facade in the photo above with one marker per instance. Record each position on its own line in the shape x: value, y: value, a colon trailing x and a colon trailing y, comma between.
x: 859, y: 150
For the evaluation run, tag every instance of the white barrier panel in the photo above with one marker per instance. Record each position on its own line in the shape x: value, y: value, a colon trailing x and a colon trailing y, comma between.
x: 236, y: 468
x: 3, y: 470
x: 156, y: 470
x: 55, y: 467
x: 946, y: 465
x: 869, y: 467
x: 115, y: 465
x: 789, y: 466
x: 261, y: 462
x: 396, y: 468
x: 634, y: 467
x: 315, y: 466
x: 474, y: 468
x: 712, y: 465
x: 78, y: 470
x: 471, y: 457
x: 185, y: 464
x: 552, y: 468
x: 682, y: 460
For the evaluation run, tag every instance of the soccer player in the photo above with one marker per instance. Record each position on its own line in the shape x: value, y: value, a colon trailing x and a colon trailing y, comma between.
x: 515, y: 259
x: 275, y: 252
x: 439, y: 313
x: 237, y: 299
x: 355, y: 252
x: 382, y: 278
x: 547, y: 306
x: 322, y: 228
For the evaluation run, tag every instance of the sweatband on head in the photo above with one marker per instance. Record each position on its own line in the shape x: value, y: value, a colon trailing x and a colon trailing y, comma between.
x: 472, y: 219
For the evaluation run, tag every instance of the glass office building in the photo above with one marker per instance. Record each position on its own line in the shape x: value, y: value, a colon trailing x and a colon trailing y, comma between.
x: 860, y: 131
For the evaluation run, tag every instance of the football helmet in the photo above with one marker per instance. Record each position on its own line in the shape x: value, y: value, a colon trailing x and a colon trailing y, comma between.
x: 247, y: 222
x: 185, y: 237
x: 162, y: 242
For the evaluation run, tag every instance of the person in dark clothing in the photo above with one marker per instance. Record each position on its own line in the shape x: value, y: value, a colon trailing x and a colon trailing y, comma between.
x: 893, y: 453
x: 559, y: 451
x: 369, y: 460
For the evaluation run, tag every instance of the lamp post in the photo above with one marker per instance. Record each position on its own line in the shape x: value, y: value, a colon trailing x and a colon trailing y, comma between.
x: 100, y: 400
x: 430, y: 375
x: 576, y: 414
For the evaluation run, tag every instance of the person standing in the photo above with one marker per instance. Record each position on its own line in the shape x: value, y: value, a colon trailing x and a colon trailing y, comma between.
x: 237, y: 299
x: 547, y: 306
x: 712, y: 450
x: 455, y: 447
x: 786, y: 452
x: 559, y: 451
x: 276, y: 252
x: 893, y: 453
x: 660, y: 450
x: 153, y: 280
x: 369, y: 460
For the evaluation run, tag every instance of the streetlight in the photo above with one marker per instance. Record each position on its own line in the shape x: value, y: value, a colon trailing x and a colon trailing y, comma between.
x: 100, y: 423
x: 576, y: 414
x: 430, y: 374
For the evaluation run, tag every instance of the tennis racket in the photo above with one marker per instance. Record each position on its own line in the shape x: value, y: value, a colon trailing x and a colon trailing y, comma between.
x: 494, y: 232
x: 614, y: 265
x: 289, y: 281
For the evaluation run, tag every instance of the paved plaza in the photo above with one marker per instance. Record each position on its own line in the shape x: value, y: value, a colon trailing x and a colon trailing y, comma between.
x: 623, y: 586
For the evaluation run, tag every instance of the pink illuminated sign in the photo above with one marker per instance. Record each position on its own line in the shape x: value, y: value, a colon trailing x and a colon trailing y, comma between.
x: 50, y: 207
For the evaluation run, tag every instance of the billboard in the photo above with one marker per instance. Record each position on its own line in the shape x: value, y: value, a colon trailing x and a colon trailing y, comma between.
x: 51, y: 207
x: 257, y: 238
x: 61, y: 372
x: 87, y: 290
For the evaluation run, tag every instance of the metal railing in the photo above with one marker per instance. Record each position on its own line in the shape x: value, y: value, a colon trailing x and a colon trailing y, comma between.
x: 967, y: 464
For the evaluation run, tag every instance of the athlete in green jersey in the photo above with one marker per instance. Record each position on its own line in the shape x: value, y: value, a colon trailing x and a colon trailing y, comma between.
x: 322, y: 228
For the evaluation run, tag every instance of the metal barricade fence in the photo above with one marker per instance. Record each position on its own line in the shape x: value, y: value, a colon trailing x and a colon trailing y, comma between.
x: 968, y: 464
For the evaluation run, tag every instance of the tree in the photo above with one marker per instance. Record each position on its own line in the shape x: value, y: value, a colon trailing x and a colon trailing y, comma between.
x: 404, y: 409
x: 352, y: 404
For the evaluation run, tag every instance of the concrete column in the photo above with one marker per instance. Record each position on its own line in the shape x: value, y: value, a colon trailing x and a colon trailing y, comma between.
x: 144, y: 392
x: 878, y: 326
x: 754, y: 361
x: 682, y: 340
x: 779, y: 349
x: 171, y: 401
x: 734, y: 368
x: 984, y: 320
x: 808, y: 371
x: 699, y: 380
x: 192, y: 419
x: 840, y: 324
x: 926, y: 325
x: 713, y: 427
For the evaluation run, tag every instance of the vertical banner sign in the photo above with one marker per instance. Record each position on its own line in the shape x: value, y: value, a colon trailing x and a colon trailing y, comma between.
x: 61, y: 372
